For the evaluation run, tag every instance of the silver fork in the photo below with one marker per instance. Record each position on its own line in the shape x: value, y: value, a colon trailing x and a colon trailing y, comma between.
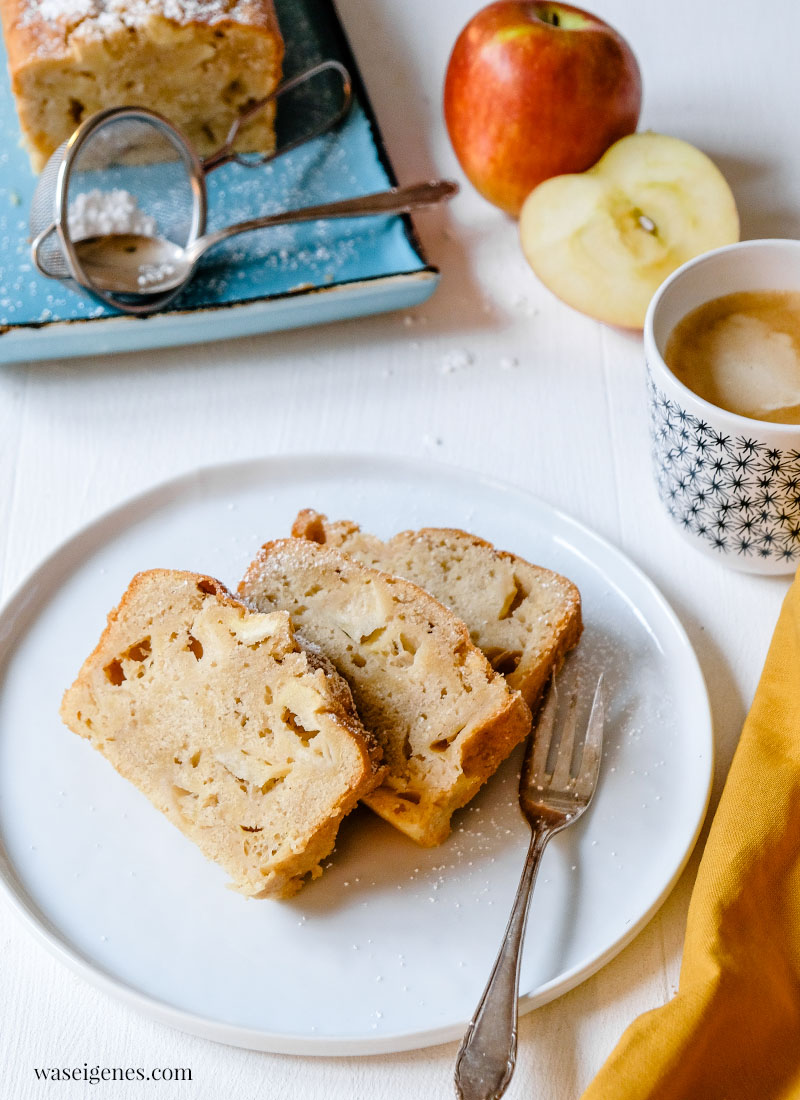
x: 550, y: 801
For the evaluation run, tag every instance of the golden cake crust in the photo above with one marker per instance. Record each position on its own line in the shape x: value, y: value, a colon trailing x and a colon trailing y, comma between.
x: 35, y: 31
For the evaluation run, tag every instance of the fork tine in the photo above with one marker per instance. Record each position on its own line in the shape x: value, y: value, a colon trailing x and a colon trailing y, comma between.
x: 592, y: 745
x: 542, y: 736
x: 566, y: 746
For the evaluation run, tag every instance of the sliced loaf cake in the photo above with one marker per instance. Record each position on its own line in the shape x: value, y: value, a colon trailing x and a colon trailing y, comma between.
x: 524, y: 618
x: 247, y: 742
x: 443, y: 717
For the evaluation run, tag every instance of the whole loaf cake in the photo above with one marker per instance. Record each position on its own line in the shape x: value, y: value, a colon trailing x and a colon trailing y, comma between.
x: 198, y: 62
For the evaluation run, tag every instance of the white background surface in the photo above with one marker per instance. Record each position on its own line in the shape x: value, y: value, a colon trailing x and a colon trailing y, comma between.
x: 567, y: 422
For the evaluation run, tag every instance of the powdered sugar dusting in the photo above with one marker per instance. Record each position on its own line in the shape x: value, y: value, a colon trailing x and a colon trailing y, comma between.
x: 53, y: 11
x: 151, y: 275
x: 99, y: 18
x: 96, y: 213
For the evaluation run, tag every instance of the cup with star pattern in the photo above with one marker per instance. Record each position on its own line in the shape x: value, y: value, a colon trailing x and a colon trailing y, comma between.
x: 729, y: 482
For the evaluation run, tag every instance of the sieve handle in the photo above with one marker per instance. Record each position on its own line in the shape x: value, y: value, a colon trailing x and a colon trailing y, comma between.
x: 399, y: 200
x: 36, y: 245
x: 225, y: 154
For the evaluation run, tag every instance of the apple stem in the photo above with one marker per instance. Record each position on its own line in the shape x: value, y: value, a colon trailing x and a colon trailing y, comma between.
x: 552, y: 17
x: 647, y: 223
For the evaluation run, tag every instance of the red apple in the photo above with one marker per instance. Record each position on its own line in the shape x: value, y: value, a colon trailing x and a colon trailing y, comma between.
x: 533, y: 90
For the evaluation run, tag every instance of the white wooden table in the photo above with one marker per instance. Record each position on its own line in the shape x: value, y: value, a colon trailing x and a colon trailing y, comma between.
x: 543, y: 397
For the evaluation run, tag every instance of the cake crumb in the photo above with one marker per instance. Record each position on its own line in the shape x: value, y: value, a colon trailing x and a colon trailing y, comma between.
x: 457, y: 359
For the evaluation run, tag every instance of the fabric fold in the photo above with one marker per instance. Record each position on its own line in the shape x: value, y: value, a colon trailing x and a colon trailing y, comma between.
x: 732, y: 1032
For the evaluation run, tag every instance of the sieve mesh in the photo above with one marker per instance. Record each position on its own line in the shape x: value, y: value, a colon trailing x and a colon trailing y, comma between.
x: 129, y: 175
x: 50, y: 257
x: 129, y: 171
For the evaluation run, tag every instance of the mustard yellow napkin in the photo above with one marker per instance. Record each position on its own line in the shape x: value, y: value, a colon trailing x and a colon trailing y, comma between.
x: 732, y: 1032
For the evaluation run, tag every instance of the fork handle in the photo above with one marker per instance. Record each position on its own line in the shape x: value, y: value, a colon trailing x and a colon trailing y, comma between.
x: 488, y: 1051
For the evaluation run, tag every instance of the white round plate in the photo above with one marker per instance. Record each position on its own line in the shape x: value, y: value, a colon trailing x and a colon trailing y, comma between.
x: 390, y: 949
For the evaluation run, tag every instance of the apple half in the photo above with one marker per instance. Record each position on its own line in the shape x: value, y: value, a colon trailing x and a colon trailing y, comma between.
x: 604, y: 241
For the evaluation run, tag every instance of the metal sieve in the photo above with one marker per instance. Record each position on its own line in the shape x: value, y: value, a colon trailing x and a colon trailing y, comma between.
x: 124, y: 152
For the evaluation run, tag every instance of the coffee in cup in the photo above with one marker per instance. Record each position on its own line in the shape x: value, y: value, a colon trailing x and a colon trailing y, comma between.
x: 724, y: 409
x: 741, y: 352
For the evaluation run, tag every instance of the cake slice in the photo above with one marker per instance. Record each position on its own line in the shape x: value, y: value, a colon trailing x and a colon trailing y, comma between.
x: 443, y: 717
x: 247, y: 742
x: 524, y: 618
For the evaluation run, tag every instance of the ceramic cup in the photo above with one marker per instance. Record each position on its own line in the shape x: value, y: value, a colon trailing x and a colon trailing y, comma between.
x: 731, y: 484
